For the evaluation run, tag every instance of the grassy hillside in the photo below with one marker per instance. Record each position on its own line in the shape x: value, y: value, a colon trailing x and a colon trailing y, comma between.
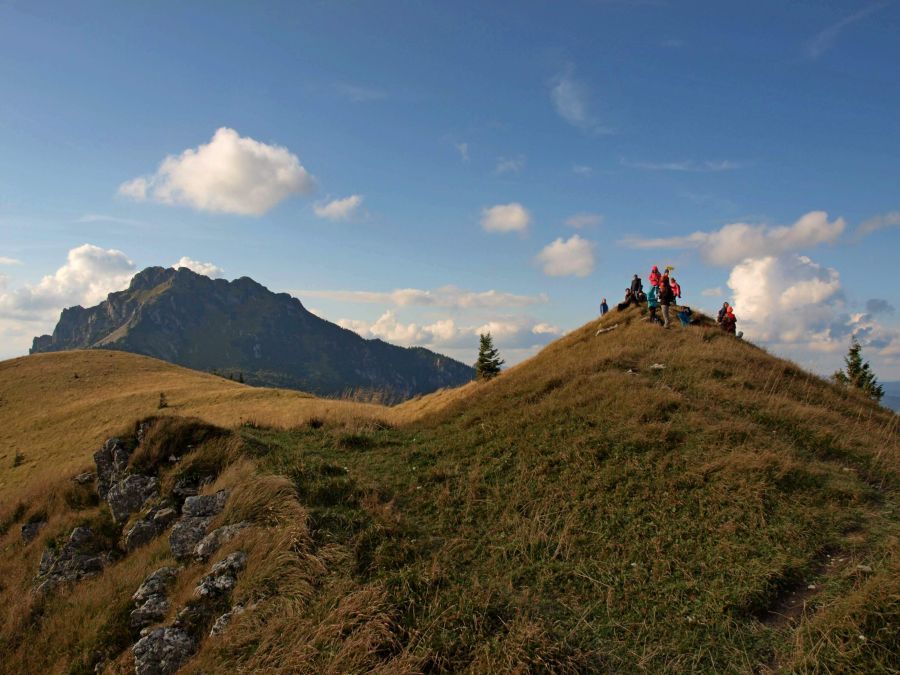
x: 584, y: 512
x: 56, y: 409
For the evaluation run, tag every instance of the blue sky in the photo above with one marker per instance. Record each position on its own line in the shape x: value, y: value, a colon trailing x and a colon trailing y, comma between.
x: 364, y: 147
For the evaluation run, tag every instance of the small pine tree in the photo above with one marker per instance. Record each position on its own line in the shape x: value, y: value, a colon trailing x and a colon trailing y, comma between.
x: 489, y: 361
x: 241, y: 377
x: 858, y: 373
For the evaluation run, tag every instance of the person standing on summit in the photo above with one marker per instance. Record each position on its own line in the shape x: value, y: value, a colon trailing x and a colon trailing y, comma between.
x: 655, y: 276
x: 604, y: 308
x: 666, y: 298
x: 637, y: 286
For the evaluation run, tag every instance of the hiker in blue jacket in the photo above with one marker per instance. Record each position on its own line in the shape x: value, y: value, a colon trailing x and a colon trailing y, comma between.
x: 653, y: 303
x: 604, y: 308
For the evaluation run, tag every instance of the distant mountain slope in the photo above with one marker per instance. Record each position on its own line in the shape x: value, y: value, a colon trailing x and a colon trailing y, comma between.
x: 891, y: 395
x: 241, y: 327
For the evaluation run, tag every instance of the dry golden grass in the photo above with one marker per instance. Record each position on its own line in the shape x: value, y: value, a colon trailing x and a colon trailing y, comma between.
x: 582, y: 512
x: 56, y: 409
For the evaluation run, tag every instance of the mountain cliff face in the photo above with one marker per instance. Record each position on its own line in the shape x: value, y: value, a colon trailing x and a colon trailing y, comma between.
x: 241, y: 326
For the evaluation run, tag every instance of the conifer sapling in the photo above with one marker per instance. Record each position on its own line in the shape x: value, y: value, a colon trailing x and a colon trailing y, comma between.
x: 489, y: 361
x: 858, y: 373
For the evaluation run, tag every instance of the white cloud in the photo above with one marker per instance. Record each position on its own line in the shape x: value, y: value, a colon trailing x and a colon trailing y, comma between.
x: 357, y: 93
x: 5, y: 260
x: 691, y: 165
x: 798, y: 306
x: 571, y: 99
x: 582, y: 220
x: 574, y: 256
x: 509, y: 332
x: 824, y: 40
x: 737, y: 241
x: 230, y: 174
x: 135, y: 189
x: 510, y: 164
x: 463, y: 150
x: 878, y: 222
x: 786, y: 299
x: 546, y: 329
x: 103, y: 218
x: 205, y: 268
x: 338, y: 209
x: 511, y: 217
x: 716, y: 292
x: 450, y: 297
x: 90, y: 273
x: 582, y: 169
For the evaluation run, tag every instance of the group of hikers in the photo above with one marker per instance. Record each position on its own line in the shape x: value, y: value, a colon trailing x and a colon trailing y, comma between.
x: 664, y: 293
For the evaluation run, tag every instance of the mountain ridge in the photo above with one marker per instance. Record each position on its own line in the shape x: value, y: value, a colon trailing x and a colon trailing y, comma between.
x: 240, y: 326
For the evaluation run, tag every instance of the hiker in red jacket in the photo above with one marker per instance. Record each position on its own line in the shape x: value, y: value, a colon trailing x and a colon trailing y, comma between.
x: 676, y: 289
x: 729, y: 322
x: 654, y: 276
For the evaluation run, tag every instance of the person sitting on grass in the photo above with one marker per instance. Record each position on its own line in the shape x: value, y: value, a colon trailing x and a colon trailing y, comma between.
x: 629, y: 298
x: 685, y: 316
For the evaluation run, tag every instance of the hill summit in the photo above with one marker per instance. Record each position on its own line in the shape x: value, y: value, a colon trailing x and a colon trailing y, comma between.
x: 241, y: 327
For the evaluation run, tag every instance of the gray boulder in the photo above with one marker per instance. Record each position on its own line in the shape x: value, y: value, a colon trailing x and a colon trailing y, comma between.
x: 222, y: 622
x: 164, y: 517
x: 83, y: 478
x: 215, y: 539
x: 162, y: 651
x: 156, y: 583
x: 205, y: 505
x: 129, y: 494
x: 111, y: 461
x: 139, y: 534
x: 79, y: 557
x: 153, y: 609
x: 30, y: 530
x: 222, y: 577
x: 186, y: 534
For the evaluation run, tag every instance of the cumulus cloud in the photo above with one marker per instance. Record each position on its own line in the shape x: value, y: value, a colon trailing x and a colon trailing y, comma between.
x: 511, y: 217
x: 338, y: 209
x: 573, y: 256
x: 230, y: 174
x: 738, y: 241
x: 571, y: 100
x: 463, y: 150
x: 450, y: 297
x: 690, y: 165
x: 510, y: 164
x: 785, y: 299
x: 582, y: 220
x: 89, y: 274
x: 205, y: 268
x: 716, y: 292
x: 5, y: 260
x: 508, y: 332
